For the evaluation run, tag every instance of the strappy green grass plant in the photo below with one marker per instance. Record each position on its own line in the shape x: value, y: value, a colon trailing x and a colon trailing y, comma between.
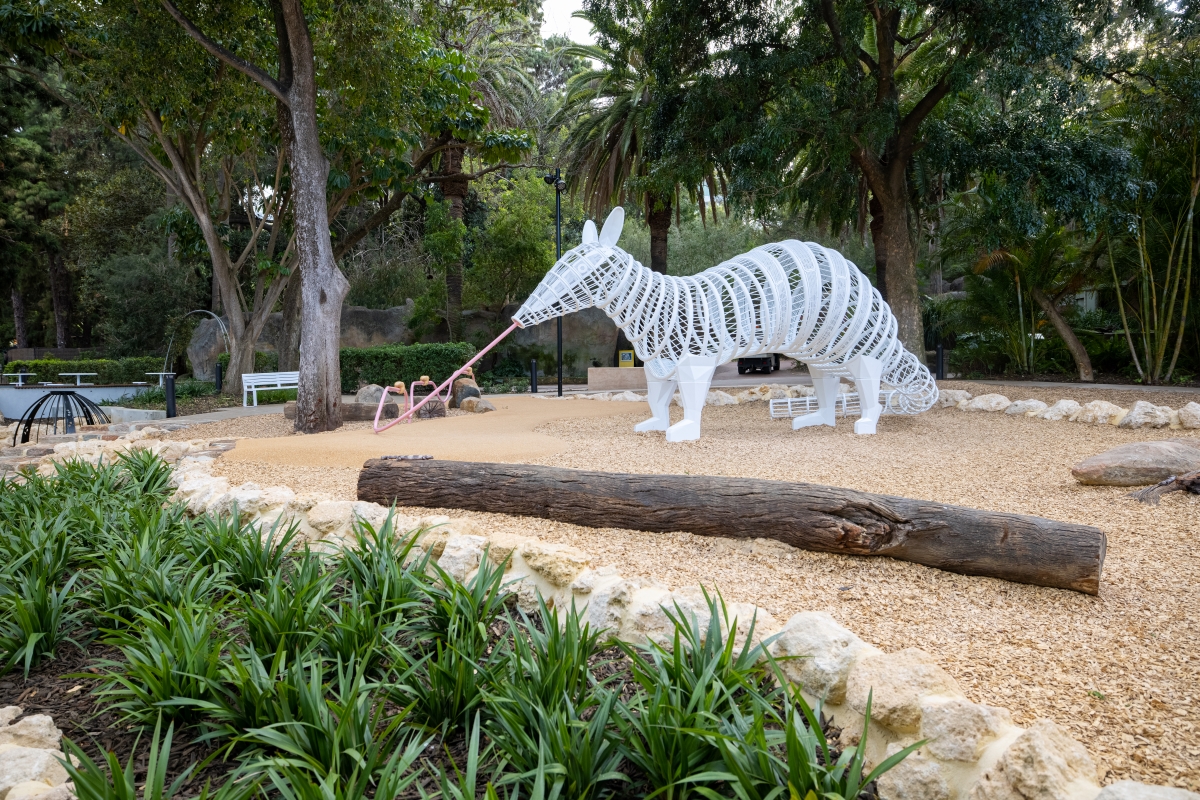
x: 448, y: 684
x: 146, y: 575
x: 236, y: 545
x: 573, y: 756
x: 289, y: 612
x: 390, y: 782
x: 467, y: 607
x: 458, y: 783
x: 551, y: 661
x: 111, y: 781
x: 768, y: 755
x: 383, y: 570
x: 336, y: 727
x: 172, y: 655
x: 36, y: 617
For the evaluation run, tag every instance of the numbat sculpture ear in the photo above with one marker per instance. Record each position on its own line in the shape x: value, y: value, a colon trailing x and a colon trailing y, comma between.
x: 589, y: 232
x: 612, y: 227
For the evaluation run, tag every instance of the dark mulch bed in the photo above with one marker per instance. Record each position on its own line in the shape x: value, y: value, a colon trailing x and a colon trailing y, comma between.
x: 53, y: 688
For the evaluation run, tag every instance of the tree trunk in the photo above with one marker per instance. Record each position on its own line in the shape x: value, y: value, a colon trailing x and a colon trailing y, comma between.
x: 879, y: 247
x: 455, y: 191
x: 289, y: 333
x: 323, y: 287
x: 903, y: 290
x: 659, y: 220
x: 20, y: 321
x: 1013, y: 547
x: 60, y: 298
x: 1083, y: 361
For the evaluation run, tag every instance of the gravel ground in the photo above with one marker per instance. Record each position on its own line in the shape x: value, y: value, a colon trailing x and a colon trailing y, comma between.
x: 1119, y: 670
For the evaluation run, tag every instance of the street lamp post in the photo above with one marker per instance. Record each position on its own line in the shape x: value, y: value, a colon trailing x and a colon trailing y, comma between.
x: 559, y: 185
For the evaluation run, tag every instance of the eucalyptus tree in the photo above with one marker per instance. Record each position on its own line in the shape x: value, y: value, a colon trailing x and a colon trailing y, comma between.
x: 827, y: 102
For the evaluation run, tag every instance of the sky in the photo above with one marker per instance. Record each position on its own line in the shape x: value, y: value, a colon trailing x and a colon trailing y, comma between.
x: 557, y: 19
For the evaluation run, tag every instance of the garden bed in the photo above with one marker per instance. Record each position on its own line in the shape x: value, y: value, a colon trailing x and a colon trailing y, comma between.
x: 1117, y: 671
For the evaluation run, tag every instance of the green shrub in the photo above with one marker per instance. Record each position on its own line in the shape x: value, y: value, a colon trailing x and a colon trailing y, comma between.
x: 109, y: 370
x: 397, y: 362
x: 264, y: 361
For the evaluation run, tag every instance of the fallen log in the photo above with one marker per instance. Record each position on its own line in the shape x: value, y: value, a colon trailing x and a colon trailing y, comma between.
x: 1182, y: 483
x: 1015, y: 547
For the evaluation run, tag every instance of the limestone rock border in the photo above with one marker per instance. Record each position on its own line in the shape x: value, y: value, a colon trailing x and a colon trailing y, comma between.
x: 1143, y: 414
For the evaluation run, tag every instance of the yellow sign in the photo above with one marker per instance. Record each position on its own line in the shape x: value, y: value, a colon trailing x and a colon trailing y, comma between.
x: 625, y: 358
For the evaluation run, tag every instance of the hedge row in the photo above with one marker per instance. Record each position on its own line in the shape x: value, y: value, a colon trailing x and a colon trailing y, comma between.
x: 109, y: 370
x: 384, y: 364
x: 397, y: 362
x: 263, y: 361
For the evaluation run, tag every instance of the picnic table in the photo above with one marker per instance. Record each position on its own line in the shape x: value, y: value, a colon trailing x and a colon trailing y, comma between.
x: 79, y: 376
x: 20, y: 376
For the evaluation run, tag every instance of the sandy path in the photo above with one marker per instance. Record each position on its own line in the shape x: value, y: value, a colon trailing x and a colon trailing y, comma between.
x: 1120, y: 670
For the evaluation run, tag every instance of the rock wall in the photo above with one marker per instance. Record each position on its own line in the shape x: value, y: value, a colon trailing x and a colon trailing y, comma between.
x: 361, y: 327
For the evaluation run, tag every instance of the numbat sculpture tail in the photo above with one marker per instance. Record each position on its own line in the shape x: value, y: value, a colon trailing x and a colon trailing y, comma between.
x: 793, y: 298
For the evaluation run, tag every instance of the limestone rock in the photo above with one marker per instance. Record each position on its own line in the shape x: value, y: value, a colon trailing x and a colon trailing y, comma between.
x: 988, y: 402
x: 588, y: 581
x: 646, y: 617
x: 1139, y: 463
x: 1043, y: 763
x: 40, y: 790
x: 9, y: 713
x: 959, y: 730
x: 476, y: 405
x: 719, y: 398
x: 816, y: 653
x: 1147, y: 415
x: 609, y: 602
x: 951, y: 398
x: 37, y: 730
x: 370, y: 394
x: 1100, y: 412
x: 1027, y: 407
x: 463, y: 388
x: 1189, y: 416
x: 1132, y: 790
x: 21, y: 764
x: 461, y: 555
x: 331, y: 517
x: 501, y: 547
x: 917, y: 777
x: 557, y: 563
x: 1063, y: 409
x: 898, y: 682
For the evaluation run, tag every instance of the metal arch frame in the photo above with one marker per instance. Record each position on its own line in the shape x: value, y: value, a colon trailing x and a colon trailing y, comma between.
x: 795, y: 298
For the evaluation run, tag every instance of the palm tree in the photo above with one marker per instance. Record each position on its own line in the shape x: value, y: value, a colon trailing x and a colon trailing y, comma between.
x: 610, y: 111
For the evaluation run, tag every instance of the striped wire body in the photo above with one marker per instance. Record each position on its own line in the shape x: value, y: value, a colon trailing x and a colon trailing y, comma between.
x: 795, y: 298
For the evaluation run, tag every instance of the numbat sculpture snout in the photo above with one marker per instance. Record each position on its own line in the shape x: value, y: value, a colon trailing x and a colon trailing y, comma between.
x: 794, y: 298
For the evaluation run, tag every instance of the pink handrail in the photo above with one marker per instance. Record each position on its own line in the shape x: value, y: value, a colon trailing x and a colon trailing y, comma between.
x: 449, y: 382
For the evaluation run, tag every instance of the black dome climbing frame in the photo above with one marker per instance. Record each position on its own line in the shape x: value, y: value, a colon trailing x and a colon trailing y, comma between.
x: 57, y: 412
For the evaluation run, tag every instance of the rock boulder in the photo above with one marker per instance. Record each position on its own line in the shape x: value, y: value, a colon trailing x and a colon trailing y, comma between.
x: 1063, y: 409
x: 896, y: 684
x: 1026, y: 407
x: 1139, y: 463
x: 988, y: 402
x: 476, y: 405
x: 1043, y: 763
x: 371, y: 394
x: 950, y: 398
x: 463, y: 388
x: 1147, y: 415
x: 1100, y: 412
x: 816, y: 653
x: 1189, y: 416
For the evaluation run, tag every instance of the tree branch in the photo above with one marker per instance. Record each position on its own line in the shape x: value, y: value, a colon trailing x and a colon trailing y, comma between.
x: 255, y: 73
x: 372, y: 222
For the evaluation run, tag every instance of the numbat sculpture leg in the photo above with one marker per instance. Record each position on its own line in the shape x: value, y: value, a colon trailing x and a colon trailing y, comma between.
x: 695, y: 374
x: 866, y: 372
x: 793, y: 298
x: 659, y: 392
x: 825, y: 385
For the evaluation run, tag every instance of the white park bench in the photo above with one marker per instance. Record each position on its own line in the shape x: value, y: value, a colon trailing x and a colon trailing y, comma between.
x: 253, y: 382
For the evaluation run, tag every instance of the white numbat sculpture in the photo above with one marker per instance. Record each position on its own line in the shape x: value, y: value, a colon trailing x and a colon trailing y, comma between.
x: 795, y: 298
